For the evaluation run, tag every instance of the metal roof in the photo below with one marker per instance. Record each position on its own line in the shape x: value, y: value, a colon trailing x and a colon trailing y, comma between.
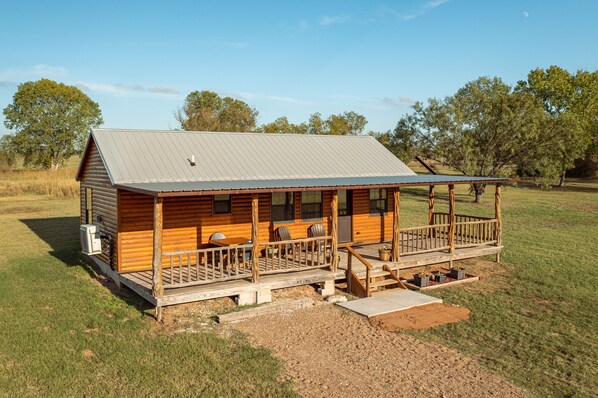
x: 143, y: 156
x: 177, y: 188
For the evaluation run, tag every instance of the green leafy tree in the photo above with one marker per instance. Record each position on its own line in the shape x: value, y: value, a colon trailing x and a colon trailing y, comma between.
x: 348, y: 123
x: 7, y: 154
x: 571, y: 104
x: 485, y: 129
x: 51, y: 121
x: 207, y: 111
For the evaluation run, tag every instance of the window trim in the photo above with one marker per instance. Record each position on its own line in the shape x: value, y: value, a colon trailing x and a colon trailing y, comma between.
x: 321, y: 203
x: 385, y: 198
x: 292, y: 205
x: 230, y: 205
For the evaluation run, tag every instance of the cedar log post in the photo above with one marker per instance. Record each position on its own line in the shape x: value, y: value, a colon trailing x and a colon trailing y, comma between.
x: 498, y: 216
x: 396, y: 224
x: 255, y: 236
x: 451, y: 237
x: 334, y: 230
x: 157, y: 288
x: 431, y: 205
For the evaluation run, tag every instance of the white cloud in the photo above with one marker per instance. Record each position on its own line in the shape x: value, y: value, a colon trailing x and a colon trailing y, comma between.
x: 20, y: 75
x: 121, y: 90
x: 269, y: 97
x: 333, y: 20
x: 424, y: 9
x: 377, y: 103
x: 525, y: 14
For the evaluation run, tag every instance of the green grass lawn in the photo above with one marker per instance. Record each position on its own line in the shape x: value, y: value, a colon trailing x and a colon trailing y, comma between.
x: 534, y: 321
x: 62, y: 333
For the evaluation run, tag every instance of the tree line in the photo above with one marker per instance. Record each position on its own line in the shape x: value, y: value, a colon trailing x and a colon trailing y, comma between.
x: 541, y: 127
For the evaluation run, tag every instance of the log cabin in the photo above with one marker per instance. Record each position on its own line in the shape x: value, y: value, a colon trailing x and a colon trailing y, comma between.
x: 187, y: 216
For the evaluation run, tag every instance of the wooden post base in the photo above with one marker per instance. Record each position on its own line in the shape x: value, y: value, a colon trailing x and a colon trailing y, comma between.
x: 498, y: 257
x: 158, y: 314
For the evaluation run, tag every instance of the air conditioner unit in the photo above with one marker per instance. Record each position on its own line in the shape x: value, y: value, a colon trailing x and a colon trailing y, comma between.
x: 90, y: 239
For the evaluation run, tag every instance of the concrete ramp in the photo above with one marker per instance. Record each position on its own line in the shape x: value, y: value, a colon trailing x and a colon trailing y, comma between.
x: 388, y: 301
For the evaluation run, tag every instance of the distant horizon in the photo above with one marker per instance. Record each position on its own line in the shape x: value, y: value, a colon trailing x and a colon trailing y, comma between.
x: 139, y: 60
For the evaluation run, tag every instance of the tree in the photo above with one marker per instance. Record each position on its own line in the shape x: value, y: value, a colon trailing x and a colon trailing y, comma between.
x: 485, y: 129
x: 7, y: 155
x: 348, y: 123
x: 571, y: 104
x: 207, y: 111
x: 51, y: 121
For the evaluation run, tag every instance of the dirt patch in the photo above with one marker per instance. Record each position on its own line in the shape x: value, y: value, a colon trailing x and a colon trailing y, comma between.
x: 423, y: 317
x: 335, y: 353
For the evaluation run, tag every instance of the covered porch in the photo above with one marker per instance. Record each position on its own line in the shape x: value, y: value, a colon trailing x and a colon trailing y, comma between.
x: 250, y: 271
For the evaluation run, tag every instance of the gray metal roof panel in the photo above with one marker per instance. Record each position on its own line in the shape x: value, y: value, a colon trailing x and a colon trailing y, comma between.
x: 147, y: 156
x: 298, y: 184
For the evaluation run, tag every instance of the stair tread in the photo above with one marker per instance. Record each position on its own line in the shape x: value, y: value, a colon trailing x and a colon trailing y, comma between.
x: 374, y: 273
x: 385, y: 282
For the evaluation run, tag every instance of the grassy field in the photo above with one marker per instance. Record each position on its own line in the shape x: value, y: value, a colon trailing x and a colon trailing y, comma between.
x: 535, y: 319
x: 62, y: 333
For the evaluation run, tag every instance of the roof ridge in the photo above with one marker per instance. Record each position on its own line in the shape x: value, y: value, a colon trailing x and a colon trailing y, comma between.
x: 113, y: 130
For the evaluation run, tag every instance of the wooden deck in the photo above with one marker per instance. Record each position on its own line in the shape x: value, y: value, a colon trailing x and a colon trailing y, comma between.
x: 287, y: 276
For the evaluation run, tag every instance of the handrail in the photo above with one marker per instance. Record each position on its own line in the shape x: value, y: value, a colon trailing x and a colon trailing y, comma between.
x: 205, y: 250
x: 423, y: 227
x: 368, y: 268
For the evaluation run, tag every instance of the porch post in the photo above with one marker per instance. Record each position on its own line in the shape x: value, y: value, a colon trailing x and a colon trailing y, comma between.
x: 157, y: 288
x: 255, y: 236
x: 334, y: 231
x: 451, y: 237
x: 498, y: 216
x: 431, y: 205
x: 396, y: 224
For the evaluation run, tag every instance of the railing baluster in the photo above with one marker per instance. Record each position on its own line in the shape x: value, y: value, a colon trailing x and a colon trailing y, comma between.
x: 180, y: 268
x: 171, y: 271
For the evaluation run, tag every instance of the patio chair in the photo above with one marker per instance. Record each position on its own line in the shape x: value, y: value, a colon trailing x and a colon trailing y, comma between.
x: 316, y: 231
x: 216, y: 235
x: 283, y: 233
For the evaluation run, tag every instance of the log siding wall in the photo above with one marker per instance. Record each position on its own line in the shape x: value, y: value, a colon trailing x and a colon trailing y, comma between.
x: 104, y: 199
x: 189, y: 222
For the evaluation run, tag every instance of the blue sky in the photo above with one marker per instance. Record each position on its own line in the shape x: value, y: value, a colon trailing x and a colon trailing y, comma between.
x: 138, y: 60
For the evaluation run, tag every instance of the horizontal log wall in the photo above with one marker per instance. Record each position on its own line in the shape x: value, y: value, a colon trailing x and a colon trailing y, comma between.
x: 189, y: 223
x: 104, y: 199
x: 369, y: 228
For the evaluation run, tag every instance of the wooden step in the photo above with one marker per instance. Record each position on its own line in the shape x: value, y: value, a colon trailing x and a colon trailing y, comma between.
x: 385, y: 282
x: 373, y: 274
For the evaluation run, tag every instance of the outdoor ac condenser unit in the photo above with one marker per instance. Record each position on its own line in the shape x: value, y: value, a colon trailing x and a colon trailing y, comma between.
x: 90, y: 239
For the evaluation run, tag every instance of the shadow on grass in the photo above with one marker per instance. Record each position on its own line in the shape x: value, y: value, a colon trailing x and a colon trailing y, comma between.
x: 62, y: 235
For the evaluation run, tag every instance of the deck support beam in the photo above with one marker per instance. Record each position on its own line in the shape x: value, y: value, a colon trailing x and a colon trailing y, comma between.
x: 498, y: 216
x: 334, y: 231
x: 431, y: 205
x: 451, y: 236
x: 157, y: 288
x: 255, y: 237
x: 396, y: 224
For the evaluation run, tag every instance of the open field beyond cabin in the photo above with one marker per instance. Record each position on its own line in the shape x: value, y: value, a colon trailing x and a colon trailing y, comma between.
x: 65, y: 332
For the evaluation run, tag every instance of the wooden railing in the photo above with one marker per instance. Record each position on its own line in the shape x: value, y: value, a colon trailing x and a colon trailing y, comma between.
x: 354, y: 285
x: 295, y: 255
x: 196, y: 267
x: 475, y: 233
x: 424, y: 239
x: 443, y: 218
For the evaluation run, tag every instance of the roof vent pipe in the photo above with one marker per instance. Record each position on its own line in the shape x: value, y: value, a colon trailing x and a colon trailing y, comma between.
x: 192, y: 160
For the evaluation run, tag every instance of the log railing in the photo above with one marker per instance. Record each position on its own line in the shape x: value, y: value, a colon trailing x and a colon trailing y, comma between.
x: 443, y: 218
x: 424, y: 239
x: 196, y: 267
x: 295, y: 255
x: 354, y: 284
x: 475, y: 233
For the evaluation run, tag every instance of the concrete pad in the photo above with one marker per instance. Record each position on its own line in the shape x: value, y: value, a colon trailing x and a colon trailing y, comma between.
x: 388, y: 301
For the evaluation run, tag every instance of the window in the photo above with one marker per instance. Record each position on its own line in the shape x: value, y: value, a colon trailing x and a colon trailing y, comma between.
x: 282, y: 206
x: 222, y: 204
x: 311, y: 205
x: 378, y: 201
x: 88, y: 202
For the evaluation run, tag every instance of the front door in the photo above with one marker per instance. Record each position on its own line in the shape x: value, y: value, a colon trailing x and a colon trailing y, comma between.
x: 345, y: 216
